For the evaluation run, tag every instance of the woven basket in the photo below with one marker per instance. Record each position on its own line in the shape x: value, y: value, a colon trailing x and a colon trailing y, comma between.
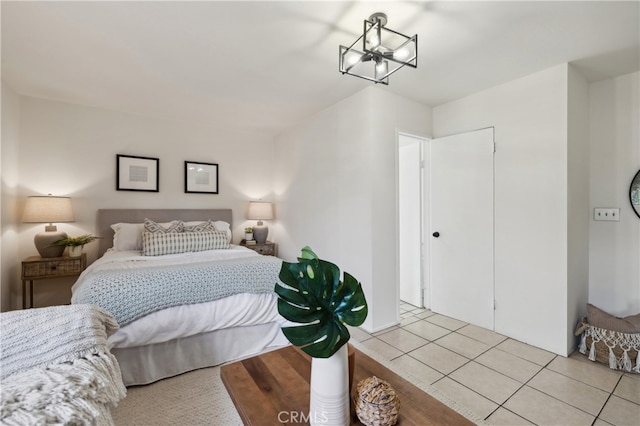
x: 617, y: 350
x: 376, y: 402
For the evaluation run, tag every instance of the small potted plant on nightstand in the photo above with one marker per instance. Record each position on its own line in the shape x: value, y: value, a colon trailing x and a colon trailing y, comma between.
x: 75, y: 244
x: 248, y: 233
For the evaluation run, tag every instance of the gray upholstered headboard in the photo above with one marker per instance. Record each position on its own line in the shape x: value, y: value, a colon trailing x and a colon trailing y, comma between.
x: 107, y: 217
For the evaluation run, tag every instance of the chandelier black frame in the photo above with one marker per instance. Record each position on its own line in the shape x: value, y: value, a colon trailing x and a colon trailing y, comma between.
x: 378, y: 52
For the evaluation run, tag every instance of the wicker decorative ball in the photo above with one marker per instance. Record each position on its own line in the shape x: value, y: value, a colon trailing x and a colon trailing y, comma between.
x: 376, y: 402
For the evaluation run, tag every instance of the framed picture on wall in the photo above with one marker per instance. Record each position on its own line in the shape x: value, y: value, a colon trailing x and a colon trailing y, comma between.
x: 137, y: 173
x: 200, y: 178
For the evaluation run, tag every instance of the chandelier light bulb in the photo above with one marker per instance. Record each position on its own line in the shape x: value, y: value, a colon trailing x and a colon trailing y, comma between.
x: 352, y: 58
x: 401, y: 54
x: 382, y: 68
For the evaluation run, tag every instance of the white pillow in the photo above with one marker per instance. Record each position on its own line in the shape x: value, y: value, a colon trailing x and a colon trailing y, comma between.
x: 223, y: 226
x: 128, y: 236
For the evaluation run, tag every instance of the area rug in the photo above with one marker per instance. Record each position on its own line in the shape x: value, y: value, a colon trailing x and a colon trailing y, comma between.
x: 200, y: 398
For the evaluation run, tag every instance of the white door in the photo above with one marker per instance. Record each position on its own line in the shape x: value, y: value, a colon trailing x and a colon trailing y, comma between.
x: 461, y: 227
x: 410, y: 219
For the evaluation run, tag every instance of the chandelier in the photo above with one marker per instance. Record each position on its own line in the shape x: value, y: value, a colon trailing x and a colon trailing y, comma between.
x: 378, y: 52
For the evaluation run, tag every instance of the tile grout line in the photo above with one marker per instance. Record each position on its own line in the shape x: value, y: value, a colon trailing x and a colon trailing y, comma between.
x: 608, y: 398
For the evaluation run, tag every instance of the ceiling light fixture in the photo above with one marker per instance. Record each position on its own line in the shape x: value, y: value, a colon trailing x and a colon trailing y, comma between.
x: 378, y: 52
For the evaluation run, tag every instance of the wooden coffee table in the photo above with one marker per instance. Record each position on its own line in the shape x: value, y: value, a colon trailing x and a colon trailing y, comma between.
x: 273, y: 388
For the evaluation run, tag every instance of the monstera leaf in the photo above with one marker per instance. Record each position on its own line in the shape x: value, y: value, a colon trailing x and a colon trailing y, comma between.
x: 313, y: 295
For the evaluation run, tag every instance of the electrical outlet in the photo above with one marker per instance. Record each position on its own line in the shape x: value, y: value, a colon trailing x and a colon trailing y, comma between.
x: 608, y: 214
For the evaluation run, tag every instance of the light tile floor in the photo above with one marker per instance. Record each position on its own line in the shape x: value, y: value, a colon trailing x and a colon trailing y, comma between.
x: 505, y: 381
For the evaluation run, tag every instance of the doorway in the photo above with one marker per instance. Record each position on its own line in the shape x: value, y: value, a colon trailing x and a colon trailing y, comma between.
x: 445, y: 225
x: 410, y: 219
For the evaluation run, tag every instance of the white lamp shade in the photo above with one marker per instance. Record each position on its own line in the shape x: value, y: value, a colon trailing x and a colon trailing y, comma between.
x: 259, y: 210
x: 47, y: 209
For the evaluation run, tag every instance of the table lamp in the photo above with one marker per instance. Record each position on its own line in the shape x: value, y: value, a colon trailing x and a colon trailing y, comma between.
x: 43, y: 209
x: 259, y: 210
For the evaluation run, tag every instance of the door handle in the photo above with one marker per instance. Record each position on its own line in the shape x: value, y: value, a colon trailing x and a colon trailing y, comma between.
x: 436, y: 234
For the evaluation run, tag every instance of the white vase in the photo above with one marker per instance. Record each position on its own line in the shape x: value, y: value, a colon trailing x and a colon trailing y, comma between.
x: 75, y: 251
x: 248, y: 236
x: 329, y: 393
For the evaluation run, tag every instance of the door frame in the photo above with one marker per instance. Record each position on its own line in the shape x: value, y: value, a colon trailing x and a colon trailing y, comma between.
x: 424, y: 203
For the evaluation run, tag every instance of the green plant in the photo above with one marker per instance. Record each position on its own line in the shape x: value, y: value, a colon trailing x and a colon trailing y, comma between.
x: 315, y: 297
x: 248, y: 230
x: 75, y: 241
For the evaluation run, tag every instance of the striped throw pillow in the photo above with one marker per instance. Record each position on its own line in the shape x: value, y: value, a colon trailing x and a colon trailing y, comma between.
x: 157, y: 244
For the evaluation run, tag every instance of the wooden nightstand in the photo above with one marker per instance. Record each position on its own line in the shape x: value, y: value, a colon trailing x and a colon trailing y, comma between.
x: 42, y: 268
x: 266, y: 249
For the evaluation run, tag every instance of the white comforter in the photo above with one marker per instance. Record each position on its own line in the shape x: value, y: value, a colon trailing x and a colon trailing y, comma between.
x: 187, y: 320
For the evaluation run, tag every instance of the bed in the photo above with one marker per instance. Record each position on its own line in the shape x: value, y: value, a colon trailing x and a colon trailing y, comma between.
x: 181, y: 311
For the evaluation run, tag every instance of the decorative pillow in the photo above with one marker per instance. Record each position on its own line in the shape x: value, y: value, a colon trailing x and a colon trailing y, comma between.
x: 601, y: 319
x: 158, y: 228
x: 157, y: 243
x: 207, y: 226
x: 127, y: 236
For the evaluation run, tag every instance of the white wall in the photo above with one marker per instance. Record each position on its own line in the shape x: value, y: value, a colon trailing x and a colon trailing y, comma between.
x: 71, y: 150
x: 614, y: 249
x: 336, y: 190
x: 9, y: 258
x: 531, y: 207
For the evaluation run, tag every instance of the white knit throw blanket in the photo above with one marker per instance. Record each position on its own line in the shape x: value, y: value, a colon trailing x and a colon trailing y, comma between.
x: 56, y: 367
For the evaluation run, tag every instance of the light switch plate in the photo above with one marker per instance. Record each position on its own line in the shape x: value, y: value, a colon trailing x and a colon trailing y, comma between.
x: 608, y: 214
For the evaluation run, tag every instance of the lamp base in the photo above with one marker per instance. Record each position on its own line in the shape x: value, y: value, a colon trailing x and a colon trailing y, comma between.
x: 260, y: 233
x: 43, y: 241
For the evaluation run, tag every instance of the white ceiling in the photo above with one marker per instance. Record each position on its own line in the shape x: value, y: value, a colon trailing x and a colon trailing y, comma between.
x: 265, y: 65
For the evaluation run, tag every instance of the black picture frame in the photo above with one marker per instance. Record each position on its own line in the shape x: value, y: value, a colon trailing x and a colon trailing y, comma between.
x: 200, y: 178
x: 135, y: 173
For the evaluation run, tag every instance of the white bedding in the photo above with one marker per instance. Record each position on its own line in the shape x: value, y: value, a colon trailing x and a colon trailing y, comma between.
x: 186, y: 320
